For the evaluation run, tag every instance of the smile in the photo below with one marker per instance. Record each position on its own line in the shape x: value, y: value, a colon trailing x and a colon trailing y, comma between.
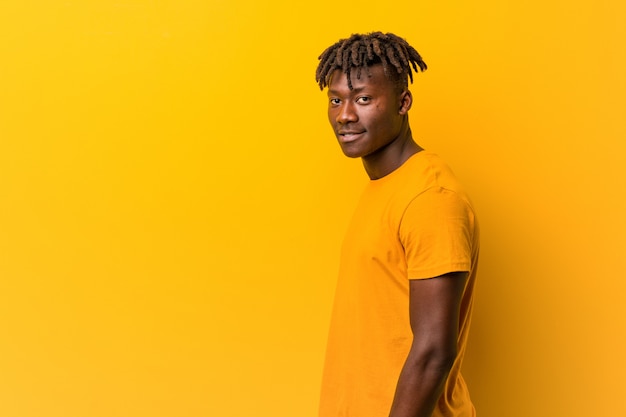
x: 349, y: 136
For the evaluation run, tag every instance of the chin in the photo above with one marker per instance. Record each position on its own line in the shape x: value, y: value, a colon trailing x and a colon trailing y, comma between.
x: 352, y: 153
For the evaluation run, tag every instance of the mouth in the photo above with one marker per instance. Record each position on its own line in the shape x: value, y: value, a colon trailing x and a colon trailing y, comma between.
x: 348, y: 136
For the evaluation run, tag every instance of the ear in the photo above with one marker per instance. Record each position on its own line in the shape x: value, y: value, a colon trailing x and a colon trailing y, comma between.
x: 406, y: 101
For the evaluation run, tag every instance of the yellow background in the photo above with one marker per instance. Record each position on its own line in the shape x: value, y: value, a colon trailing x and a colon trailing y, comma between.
x: 172, y: 200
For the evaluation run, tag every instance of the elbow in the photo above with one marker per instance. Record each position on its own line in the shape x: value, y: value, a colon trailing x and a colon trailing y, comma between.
x: 442, y: 362
x: 434, y: 360
x: 445, y: 362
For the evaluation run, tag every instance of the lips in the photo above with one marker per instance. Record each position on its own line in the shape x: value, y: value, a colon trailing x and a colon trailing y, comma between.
x: 348, y: 135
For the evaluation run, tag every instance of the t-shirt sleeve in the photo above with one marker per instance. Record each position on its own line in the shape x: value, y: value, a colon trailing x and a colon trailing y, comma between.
x: 436, y: 232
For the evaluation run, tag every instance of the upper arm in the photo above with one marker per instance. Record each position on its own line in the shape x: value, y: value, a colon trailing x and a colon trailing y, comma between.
x: 434, y: 306
x: 437, y: 233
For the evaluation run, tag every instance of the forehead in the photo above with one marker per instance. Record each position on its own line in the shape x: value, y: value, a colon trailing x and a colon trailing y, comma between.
x: 372, y: 77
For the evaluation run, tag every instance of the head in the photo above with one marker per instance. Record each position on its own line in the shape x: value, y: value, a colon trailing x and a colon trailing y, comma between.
x: 367, y: 78
x: 359, y: 52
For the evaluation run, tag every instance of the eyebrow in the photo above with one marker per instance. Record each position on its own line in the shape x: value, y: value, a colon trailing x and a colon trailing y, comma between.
x: 353, y: 91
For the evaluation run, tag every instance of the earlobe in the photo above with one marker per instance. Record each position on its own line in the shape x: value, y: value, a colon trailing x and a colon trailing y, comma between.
x: 406, y: 101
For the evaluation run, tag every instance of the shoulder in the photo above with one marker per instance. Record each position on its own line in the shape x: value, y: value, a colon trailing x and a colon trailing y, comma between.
x: 438, y: 202
x: 429, y: 180
x: 437, y: 206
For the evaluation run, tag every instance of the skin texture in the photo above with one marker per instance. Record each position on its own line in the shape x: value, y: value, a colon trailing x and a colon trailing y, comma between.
x: 371, y: 122
x: 434, y: 306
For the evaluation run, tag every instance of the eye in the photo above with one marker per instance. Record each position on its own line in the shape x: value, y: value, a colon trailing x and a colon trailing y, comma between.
x: 334, y: 101
x: 363, y: 100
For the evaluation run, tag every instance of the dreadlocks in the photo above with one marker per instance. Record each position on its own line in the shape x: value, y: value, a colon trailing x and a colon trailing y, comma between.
x: 362, y: 51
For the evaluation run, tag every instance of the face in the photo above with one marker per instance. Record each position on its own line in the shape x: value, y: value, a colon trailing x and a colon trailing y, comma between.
x: 369, y: 118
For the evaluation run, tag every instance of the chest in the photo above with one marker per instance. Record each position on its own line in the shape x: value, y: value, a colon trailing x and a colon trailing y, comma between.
x: 373, y: 234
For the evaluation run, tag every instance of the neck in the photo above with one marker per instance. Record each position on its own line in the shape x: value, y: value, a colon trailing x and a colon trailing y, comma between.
x: 391, y: 157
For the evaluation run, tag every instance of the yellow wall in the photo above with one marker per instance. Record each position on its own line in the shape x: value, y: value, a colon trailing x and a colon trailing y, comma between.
x: 172, y: 202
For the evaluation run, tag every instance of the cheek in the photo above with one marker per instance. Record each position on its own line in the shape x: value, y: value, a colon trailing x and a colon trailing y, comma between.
x: 374, y: 119
x: 331, y: 112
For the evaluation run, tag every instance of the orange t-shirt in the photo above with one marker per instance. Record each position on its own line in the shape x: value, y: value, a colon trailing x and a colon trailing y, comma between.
x: 414, y: 223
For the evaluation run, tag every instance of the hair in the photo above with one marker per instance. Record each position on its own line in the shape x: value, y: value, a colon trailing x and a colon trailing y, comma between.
x: 364, y: 50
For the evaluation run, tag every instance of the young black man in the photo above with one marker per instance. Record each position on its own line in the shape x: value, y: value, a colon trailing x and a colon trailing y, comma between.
x: 404, y: 295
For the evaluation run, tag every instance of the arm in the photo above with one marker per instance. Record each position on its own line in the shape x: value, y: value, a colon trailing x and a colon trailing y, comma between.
x: 434, y: 315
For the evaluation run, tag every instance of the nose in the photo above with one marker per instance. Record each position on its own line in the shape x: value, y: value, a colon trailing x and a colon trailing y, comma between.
x: 346, y: 113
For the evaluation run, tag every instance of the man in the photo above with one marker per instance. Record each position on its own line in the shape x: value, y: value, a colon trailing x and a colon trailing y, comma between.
x: 408, y: 264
